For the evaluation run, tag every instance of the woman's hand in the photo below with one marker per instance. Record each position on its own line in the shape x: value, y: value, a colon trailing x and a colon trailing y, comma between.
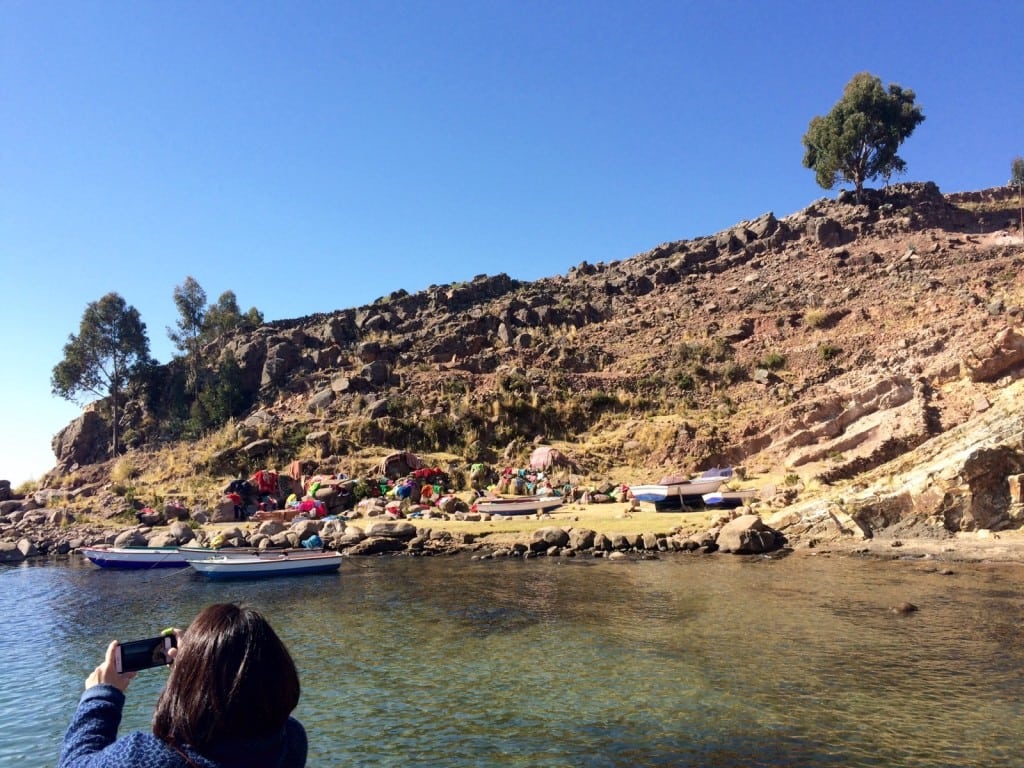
x: 107, y: 674
x: 173, y: 652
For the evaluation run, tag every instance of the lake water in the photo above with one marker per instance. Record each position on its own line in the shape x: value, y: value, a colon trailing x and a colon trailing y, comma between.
x: 685, y: 661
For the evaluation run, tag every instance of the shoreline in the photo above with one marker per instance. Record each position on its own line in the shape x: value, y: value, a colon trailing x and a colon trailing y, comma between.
x: 617, y: 531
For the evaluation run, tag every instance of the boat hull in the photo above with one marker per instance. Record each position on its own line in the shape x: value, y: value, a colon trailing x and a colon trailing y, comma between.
x: 729, y: 499
x: 675, y: 495
x: 206, y: 553
x: 260, y: 567
x: 135, y: 558
x: 524, y: 505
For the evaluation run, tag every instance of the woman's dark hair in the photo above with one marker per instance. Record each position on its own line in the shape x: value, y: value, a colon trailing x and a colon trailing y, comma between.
x: 232, y: 679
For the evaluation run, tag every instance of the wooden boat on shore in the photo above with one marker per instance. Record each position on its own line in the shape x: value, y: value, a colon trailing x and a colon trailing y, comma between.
x: 674, y: 493
x: 264, y: 565
x: 138, y: 558
x: 729, y: 499
x: 517, y: 505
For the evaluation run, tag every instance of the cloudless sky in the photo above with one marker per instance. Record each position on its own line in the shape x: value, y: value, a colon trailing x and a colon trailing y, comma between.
x: 315, y: 155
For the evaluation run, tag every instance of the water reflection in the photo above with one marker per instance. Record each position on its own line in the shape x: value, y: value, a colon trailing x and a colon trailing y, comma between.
x: 683, y: 661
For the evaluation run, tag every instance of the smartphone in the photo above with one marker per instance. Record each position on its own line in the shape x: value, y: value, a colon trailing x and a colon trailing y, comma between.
x: 143, y: 654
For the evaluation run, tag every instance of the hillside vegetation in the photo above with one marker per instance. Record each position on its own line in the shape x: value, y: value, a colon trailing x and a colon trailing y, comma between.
x: 819, y: 351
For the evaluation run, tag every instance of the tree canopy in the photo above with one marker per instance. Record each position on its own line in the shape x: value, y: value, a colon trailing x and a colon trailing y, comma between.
x: 190, y: 299
x: 858, y: 139
x: 111, y: 340
x: 1017, y: 171
x: 225, y: 316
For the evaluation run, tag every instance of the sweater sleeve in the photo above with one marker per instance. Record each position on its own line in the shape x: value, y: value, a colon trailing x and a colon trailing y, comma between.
x: 94, y: 726
x: 295, y: 744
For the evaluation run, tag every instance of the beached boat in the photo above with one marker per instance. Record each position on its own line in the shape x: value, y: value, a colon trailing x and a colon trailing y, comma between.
x: 263, y: 566
x: 135, y: 557
x: 729, y: 499
x: 517, y: 505
x: 674, y: 492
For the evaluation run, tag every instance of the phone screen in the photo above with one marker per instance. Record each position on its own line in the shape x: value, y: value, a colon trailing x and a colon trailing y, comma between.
x: 143, y: 654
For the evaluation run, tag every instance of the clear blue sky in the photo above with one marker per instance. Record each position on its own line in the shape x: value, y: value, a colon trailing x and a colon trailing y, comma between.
x: 313, y: 156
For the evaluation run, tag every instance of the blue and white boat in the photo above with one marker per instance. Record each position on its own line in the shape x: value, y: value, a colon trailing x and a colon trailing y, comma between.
x: 673, y: 493
x: 138, y: 558
x: 729, y: 499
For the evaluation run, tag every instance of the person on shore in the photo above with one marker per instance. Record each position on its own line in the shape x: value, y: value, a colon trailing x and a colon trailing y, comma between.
x: 227, y: 703
x: 238, y: 503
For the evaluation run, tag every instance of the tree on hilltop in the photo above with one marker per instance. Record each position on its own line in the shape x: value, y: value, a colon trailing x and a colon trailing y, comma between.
x: 225, y: 316
x: 111, y: 341
x: 1017, y: 178
x: 858, y: 139
x: 190, y: 299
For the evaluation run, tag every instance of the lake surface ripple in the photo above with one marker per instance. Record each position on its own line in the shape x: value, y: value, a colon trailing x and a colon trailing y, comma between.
x: 685, y: 661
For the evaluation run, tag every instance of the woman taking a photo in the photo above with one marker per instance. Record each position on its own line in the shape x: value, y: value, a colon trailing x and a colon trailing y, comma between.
x: 227, y: 703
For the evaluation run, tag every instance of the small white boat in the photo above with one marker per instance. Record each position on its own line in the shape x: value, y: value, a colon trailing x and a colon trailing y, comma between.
x: 676, y: 492
x: 517, y: 505
x: 688, y: 490
x: 729, y: 499
x: 205, y: 553
x: 262, y: 566
x: 137, y: 558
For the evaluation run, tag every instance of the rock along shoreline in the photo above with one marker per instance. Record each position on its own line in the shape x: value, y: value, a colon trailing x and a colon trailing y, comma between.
x: 40, y: 533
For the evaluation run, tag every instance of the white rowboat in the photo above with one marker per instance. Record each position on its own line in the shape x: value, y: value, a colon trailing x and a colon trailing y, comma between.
x: 262, y: 566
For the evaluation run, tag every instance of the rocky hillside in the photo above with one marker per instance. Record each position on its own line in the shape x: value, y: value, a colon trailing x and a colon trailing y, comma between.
x: 815, y: 350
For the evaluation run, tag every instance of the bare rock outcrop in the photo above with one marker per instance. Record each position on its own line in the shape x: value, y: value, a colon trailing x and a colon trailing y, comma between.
x: 84, y: 441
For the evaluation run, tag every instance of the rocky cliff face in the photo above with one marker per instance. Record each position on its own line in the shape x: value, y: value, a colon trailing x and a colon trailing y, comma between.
x: 827, y: 345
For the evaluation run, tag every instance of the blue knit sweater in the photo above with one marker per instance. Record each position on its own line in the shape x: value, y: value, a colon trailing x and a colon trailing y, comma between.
x: 91, y: 742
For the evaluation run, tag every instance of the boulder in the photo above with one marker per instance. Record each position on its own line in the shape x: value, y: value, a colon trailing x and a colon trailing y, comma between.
x: 149, y: 516
x: 544, y: 538
x: 182, y: 532
x: 320, y: 400
x: 130, y: 539
x: 304, y: 529
x: 377, y: 373
x: 10, y: 553
x: 376, y: 545
x: 1003, y: 354
x: 27, y: 548
x: 258, y: 448
x: 7, y: 507
x: 746, y: 535
x: 271, y: 528
x: 828, y: 232
x: 84, y: 441
x: 281, y: 360
x: 582, y: 538
x: 400, y: 529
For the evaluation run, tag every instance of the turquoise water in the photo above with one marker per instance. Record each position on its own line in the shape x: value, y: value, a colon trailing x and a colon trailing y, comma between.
x: 685, y: 661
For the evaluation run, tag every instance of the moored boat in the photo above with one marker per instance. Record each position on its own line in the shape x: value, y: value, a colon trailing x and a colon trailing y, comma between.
x: 517, y: 505
x: 205, y: 553
x: 263, y: 566
x: 135, y: 557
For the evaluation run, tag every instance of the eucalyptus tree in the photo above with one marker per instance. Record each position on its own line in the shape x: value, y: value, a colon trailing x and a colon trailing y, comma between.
x: 190, y: 299
x: 111, y: 341
x: 858, y: 139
